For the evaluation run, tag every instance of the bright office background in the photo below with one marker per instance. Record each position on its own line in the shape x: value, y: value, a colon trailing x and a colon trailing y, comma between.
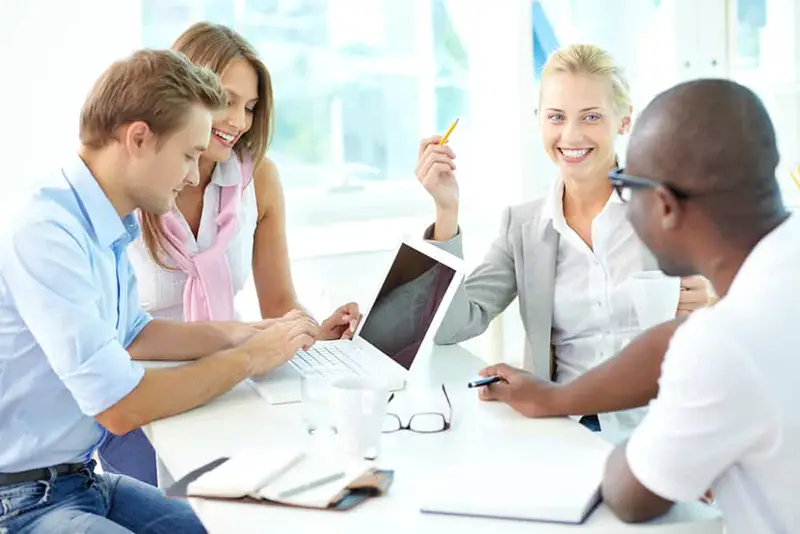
x: 359, y: 82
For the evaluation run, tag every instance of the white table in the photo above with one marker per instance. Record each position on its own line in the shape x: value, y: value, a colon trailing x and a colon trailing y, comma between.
x: 218, y: 429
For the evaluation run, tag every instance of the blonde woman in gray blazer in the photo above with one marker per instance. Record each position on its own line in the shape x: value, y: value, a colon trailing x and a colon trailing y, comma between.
x: 568, y: 255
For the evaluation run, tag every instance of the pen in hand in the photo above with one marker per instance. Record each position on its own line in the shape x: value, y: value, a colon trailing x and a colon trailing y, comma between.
x: 484, y: 382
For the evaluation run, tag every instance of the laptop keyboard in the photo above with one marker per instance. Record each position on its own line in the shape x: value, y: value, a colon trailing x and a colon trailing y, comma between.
x: 329, y: 359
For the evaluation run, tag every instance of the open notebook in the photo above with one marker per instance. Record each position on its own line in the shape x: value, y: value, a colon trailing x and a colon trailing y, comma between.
x: 286, y: 477
x: 536, y: 485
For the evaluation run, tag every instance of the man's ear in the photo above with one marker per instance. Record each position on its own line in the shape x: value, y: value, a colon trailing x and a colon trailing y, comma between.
x: 668, y: 209
x: 136, y: 137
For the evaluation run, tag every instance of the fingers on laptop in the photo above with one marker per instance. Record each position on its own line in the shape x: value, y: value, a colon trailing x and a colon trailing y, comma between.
x: 302, y: 334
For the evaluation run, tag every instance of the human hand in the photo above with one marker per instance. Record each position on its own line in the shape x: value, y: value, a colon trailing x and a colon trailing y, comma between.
x: 436, y: 172
x: 279, y: 339
x: 526, y: 394
x: 342, y: 323
x: 694, y: 294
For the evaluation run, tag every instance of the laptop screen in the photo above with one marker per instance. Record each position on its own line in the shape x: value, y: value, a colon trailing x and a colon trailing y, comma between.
x: 406, y: 304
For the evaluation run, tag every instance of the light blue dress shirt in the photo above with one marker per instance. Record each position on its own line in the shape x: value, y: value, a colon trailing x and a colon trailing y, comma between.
x: 68, y: 310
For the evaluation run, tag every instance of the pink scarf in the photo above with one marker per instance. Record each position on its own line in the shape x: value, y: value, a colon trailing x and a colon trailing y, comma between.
x: 208, y: 293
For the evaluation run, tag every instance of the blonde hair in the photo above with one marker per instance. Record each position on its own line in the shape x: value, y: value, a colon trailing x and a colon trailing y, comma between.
x: 215, y: 47
x: 158, y: 87
x: 591, y: 59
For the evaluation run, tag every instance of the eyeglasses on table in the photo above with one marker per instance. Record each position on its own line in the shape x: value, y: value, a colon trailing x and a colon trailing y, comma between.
x: 421, y: 422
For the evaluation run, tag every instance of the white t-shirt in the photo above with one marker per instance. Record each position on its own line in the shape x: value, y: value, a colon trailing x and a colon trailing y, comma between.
x: 727, y: 416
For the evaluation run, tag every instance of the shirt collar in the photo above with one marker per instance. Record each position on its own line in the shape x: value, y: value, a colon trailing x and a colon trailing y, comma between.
x: 227, y: 173
x: 553, y: 208
x: 109, y: 229
x: 767, y: 257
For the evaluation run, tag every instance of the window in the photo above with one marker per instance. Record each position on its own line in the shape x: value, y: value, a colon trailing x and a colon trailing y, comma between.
x: 353, y: 93
x: 640, y: 34
x: 764, y: 50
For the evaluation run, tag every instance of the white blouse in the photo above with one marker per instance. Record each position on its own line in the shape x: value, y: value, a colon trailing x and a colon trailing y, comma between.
x: 160, y: 290
x: 593, y: 313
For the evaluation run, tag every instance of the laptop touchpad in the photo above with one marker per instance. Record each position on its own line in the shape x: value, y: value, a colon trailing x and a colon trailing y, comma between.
x: 279, y: 386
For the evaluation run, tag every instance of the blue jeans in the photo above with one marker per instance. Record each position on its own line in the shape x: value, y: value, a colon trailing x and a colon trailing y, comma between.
x: 93, y: 503
x: 130, y: 454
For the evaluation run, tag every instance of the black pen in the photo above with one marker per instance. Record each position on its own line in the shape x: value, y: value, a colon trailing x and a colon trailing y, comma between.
x: 484, y: 382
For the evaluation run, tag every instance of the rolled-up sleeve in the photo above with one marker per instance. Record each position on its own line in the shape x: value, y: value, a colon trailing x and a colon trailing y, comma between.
x: 49, y: 275
x: 137, y: 317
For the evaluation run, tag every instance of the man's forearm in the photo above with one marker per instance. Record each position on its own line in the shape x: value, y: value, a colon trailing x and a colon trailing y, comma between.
x: 628, y: 498
x: 176, y: 341
x: 628, y: 380
x: 166, y: 392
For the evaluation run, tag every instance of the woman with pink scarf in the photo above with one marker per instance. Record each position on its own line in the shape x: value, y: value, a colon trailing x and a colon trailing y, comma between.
x: 191, y: 262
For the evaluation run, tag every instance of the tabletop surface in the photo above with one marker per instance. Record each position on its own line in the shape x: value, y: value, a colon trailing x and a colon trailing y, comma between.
x: 481, y: 432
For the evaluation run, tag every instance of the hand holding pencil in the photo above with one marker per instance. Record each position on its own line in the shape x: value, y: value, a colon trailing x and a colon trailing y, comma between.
x: 436, y: 170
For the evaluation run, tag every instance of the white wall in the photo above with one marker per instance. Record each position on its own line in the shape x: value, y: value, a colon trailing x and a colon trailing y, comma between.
x: 51, y: 50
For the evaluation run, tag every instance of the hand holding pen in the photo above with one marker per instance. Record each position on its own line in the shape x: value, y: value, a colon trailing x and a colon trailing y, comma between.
x: 528, y: 395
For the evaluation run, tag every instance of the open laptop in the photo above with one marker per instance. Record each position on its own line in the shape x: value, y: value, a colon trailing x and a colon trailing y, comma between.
x: 406, y: 312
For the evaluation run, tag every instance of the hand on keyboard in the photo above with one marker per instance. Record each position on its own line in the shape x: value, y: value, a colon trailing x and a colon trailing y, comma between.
x: 342, y: 323
x: 280, y: 339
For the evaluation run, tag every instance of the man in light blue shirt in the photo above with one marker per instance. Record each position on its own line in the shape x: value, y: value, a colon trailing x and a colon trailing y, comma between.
x: 70, y: 324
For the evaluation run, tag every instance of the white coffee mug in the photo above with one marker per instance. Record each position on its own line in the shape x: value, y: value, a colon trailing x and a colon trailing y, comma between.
x: 358, y: 409
x: 655, y: 297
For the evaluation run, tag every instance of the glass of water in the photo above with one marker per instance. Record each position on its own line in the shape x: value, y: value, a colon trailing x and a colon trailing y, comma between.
x: 316, y: 390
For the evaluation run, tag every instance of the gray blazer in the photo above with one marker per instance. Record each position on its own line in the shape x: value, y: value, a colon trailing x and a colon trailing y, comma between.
x: 521, y: 262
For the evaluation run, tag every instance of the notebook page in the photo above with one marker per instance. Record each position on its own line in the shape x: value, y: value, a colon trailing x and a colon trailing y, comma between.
x: 312, y: 469
x: 245, y: 473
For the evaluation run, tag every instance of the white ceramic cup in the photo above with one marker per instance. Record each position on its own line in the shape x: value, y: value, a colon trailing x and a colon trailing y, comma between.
x: 655, y: 297
x: 358, y: 407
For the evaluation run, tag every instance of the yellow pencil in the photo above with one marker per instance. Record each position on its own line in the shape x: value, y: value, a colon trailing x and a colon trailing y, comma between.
x: 448, y: 132
x: 794, y: 177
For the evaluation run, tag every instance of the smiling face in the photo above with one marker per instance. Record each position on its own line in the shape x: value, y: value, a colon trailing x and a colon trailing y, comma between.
x: 579, y: 124
x: 241, y: 82
x: 165, y: 164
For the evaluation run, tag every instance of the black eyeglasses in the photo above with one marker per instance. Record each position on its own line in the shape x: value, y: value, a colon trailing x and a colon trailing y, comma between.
x: 423, y: 422
x: 625, y: 183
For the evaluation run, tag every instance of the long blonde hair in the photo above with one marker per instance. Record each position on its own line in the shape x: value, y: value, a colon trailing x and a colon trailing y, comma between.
x: 215, y: 47
x: 591, y: 59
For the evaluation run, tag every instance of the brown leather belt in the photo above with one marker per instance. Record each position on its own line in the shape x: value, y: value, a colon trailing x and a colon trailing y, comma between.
x: 8, y: 479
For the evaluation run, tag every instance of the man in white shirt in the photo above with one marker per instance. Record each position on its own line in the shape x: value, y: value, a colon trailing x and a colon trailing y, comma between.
x: 703, y: 197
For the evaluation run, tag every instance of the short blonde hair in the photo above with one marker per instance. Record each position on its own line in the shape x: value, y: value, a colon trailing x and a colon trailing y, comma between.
x: 591, y: 59
x: 158, y: 87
